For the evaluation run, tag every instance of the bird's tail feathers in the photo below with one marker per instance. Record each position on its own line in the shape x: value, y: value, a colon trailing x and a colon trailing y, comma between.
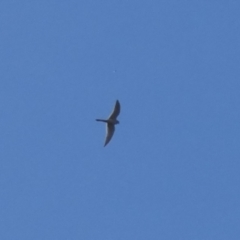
x: 101, y: 120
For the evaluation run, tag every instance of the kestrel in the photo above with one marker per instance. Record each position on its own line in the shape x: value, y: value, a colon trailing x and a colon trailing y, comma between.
x: 111, y: 121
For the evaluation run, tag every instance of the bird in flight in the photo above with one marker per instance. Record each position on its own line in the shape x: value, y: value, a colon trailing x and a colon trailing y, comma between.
x: 111, y: 121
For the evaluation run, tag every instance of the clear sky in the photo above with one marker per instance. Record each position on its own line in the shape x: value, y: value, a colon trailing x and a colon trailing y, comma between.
x: 172, y: 169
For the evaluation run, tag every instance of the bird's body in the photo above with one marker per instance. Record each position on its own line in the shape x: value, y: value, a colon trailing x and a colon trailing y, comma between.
x: 111, y: 121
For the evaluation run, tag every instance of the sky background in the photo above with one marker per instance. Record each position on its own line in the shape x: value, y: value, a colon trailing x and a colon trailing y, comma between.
x: 172, y: 169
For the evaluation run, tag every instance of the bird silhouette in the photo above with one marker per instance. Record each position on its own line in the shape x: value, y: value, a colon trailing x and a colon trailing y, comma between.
x: 111, y: 122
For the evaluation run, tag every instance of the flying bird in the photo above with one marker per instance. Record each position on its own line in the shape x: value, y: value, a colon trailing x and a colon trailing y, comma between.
x: 111, y: 121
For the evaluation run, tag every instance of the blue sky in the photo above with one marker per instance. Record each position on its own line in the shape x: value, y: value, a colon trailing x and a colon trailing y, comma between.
x: 171, y: 170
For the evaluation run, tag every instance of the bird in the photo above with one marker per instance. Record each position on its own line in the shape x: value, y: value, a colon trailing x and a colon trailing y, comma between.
x: 111, y: 122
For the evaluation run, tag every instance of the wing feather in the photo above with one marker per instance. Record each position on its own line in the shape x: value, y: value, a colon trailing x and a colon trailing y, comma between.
x: 115, y: 111
x: 110, y: 132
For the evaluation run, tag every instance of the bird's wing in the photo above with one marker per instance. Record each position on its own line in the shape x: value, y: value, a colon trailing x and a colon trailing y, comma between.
x: 115, y: 111
x: 110, y: 131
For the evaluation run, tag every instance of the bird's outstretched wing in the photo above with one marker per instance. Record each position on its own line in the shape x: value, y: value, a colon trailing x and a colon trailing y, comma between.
x: 116, y: 111
x: 109, y: 134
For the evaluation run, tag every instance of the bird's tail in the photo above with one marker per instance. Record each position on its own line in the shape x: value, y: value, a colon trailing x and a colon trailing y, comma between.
x: 101, y: 120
